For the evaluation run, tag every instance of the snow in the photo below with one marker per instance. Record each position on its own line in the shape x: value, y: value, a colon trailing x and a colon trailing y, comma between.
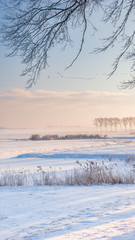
x: 94, y: 212
x: 63, y: 212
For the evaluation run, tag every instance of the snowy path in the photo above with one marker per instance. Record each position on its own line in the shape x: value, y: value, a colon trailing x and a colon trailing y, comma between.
x: 61, y: 213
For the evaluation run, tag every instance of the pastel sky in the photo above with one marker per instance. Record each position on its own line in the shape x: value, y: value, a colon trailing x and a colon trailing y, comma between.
x: 72, y: 97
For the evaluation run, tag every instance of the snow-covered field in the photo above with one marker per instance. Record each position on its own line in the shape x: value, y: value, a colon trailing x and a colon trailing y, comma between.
x: 66, y: 212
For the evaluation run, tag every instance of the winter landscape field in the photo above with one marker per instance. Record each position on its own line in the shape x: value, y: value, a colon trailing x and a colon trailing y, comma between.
x: 46, y: 191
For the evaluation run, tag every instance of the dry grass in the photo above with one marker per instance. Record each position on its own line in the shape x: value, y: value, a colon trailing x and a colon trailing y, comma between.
x: 130, y: 159
x: 13, y: 178
x: 66, y: 137
x: 89, y: 173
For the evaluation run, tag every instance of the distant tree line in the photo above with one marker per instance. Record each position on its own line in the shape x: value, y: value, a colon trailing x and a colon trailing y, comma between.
x: 115, y: 123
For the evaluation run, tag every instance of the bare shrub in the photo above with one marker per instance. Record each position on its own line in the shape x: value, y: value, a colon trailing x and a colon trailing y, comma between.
x: 50, y: 137
x: 83, y: 136
x: 66, y: 137
x: 128, y: 141
x: 35, y: 137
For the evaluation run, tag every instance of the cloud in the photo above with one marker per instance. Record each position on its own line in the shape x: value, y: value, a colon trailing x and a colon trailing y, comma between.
x: 42, y: 97
x: 60, y: 100
x: 22, y: 108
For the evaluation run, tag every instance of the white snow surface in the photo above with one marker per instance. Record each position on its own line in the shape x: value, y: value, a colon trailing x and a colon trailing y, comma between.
x: 63, y: 212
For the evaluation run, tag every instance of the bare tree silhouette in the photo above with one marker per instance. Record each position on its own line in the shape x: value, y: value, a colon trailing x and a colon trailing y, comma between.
x: 126, y: 122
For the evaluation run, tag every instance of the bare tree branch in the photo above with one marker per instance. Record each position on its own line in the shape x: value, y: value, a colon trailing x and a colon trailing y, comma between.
x: 119, y: 14
x: 31, y: 29
x: 32, y: 32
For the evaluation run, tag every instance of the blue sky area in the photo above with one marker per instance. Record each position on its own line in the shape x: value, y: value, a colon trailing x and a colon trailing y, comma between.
x: 72, y: 97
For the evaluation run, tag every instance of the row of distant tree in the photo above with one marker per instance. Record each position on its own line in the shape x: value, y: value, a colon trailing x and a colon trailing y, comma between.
x: 115, y: 123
